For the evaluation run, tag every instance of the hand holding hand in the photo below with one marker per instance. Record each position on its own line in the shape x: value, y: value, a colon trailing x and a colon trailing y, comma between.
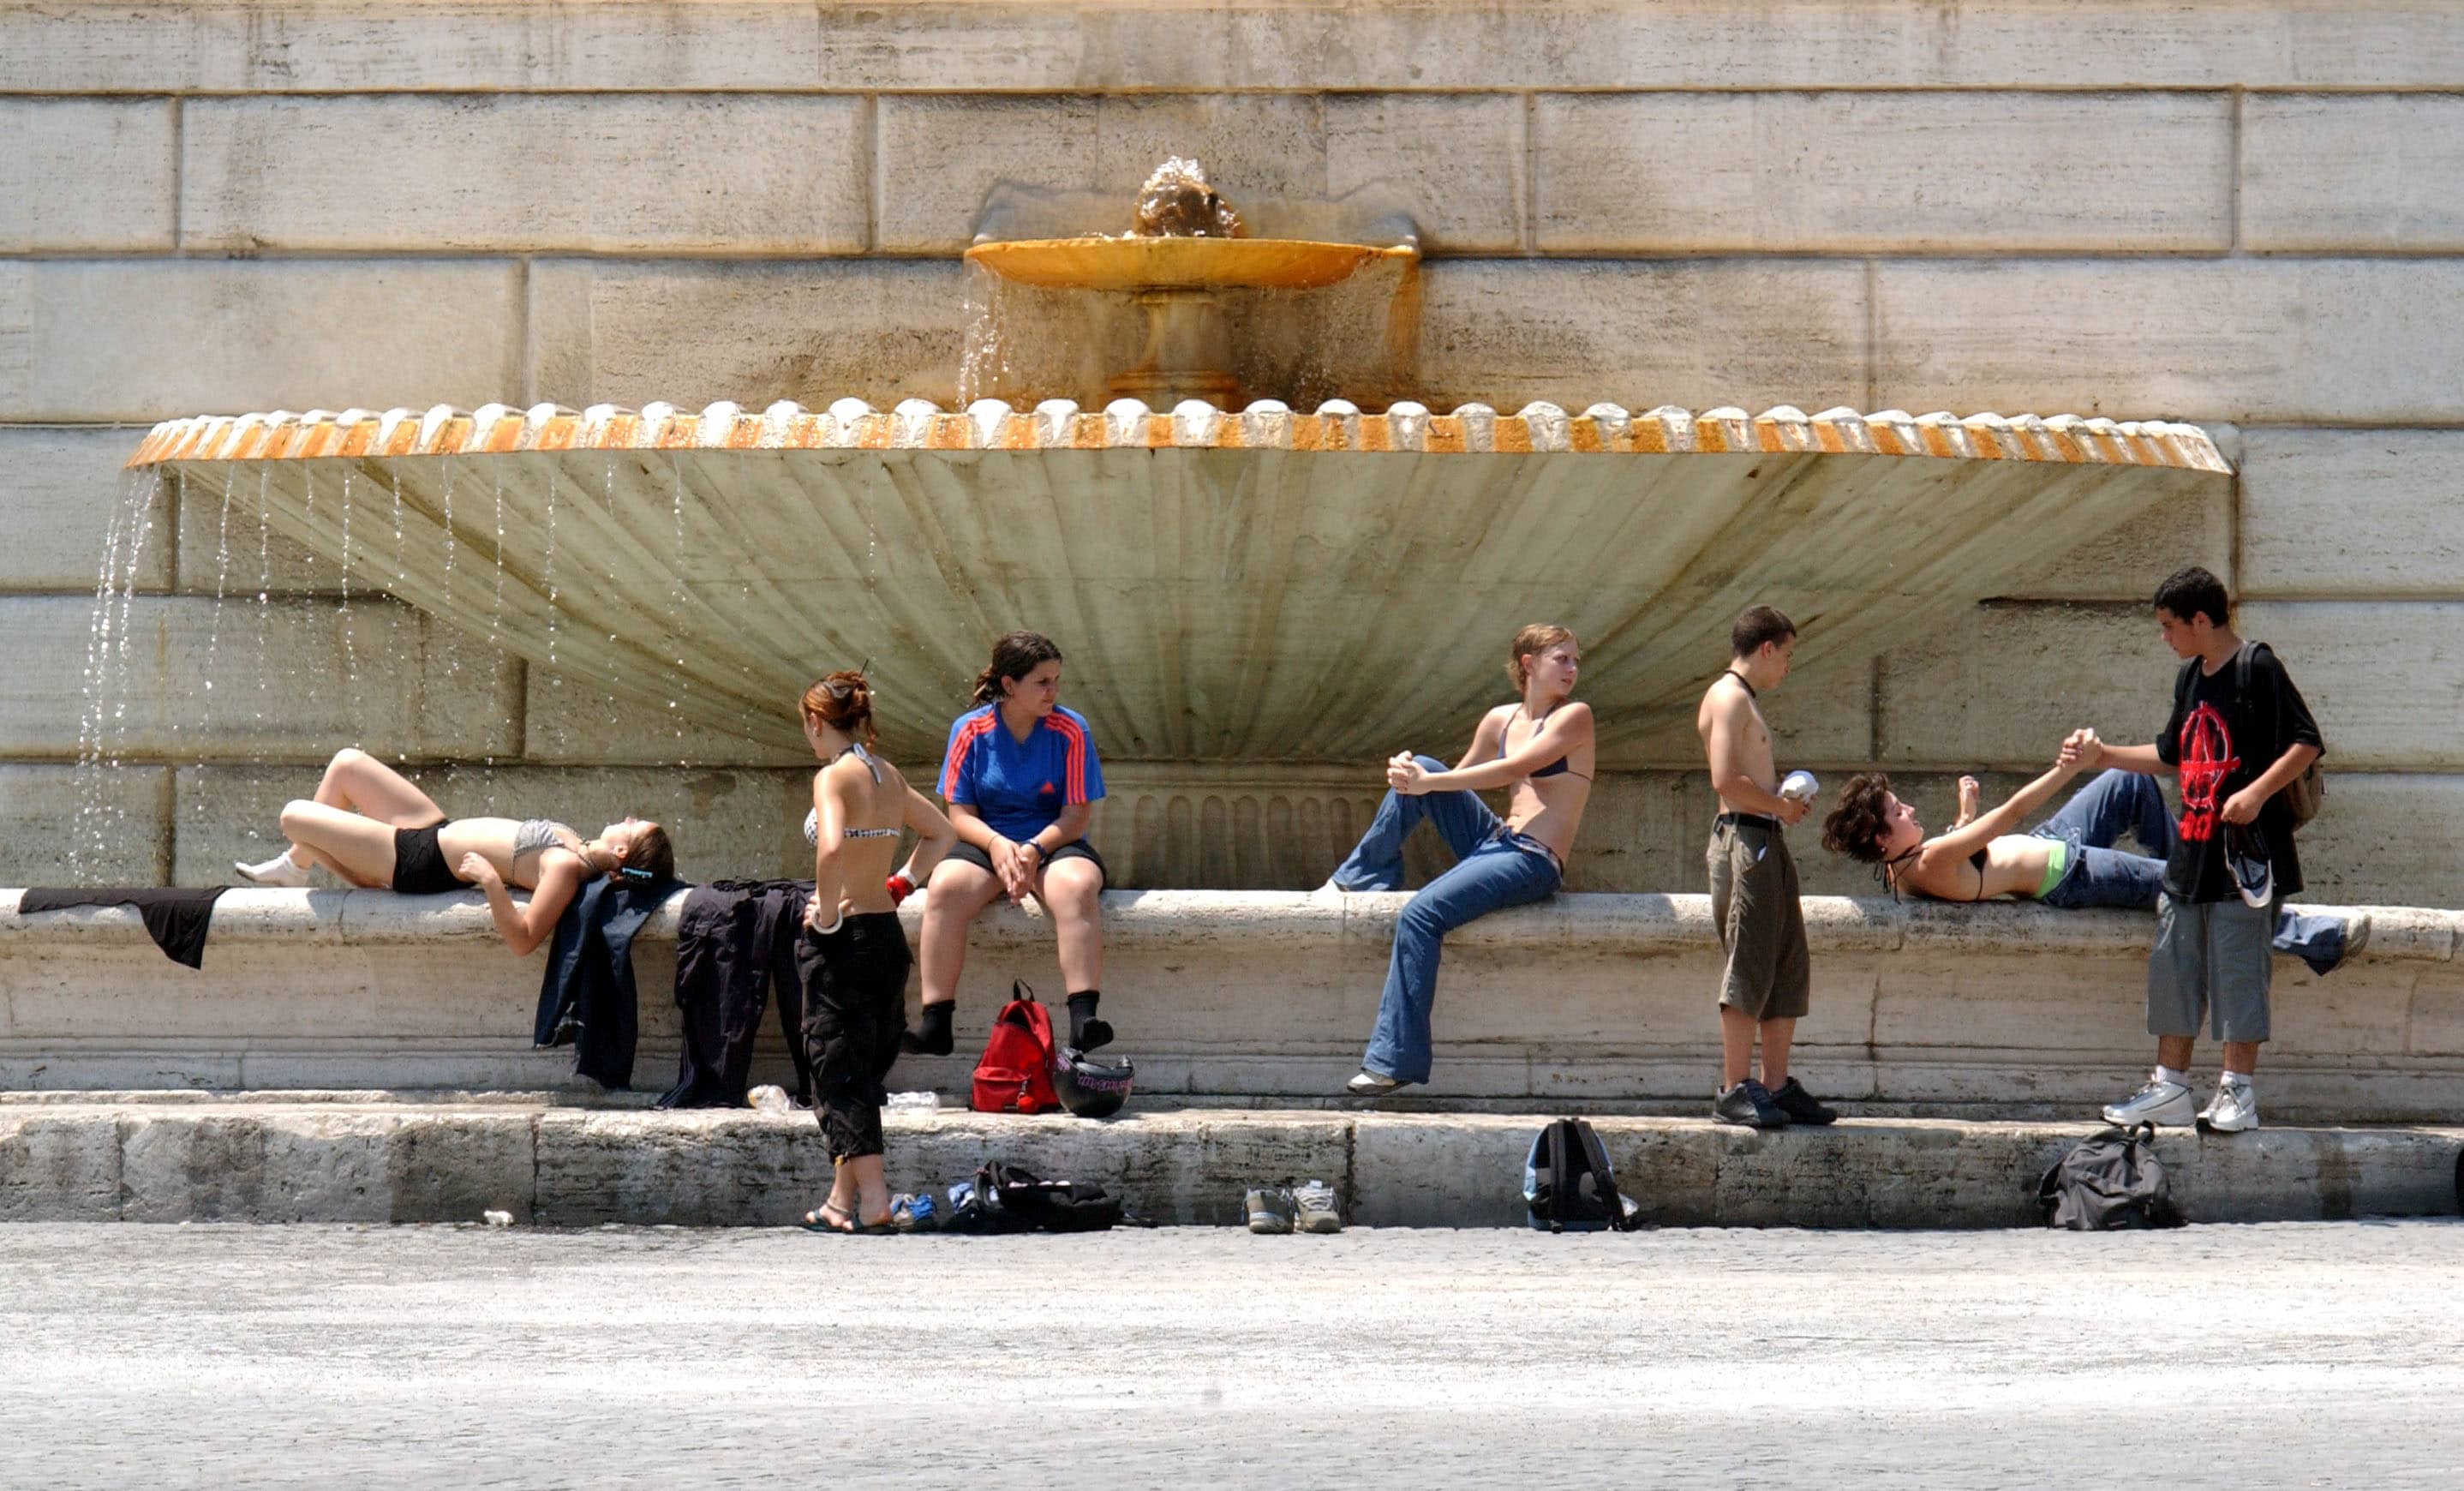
x: 2080, y: 750
x: 475, y: 869
x: 1405, y: 774
x: 1015, y: 866
x: 2243, y: 806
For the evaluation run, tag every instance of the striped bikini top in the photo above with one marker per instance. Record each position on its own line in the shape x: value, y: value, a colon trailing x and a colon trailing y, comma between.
x: 812, y: 816
x: 533, y: 834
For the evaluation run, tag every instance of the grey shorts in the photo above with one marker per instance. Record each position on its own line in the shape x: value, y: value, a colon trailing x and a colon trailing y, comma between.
x: 2212, y: 958
x: 1762, y: 925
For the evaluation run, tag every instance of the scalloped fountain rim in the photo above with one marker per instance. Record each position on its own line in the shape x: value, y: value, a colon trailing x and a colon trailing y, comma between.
x: 1130, y: 424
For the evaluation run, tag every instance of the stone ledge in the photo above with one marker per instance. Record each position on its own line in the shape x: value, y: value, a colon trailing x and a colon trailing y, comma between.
x: 1276, y: 920
x: 383, y: 1162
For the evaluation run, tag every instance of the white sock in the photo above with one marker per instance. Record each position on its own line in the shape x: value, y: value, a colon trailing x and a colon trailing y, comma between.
x: 280, y: 870
x: 2239, y: 1079
x: 2166, y: 1074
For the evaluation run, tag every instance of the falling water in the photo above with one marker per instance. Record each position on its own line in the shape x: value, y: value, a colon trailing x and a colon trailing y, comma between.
x: 677, y: 680
x: 213, y: 632
x: 547, y: 582
x: 136, y: 491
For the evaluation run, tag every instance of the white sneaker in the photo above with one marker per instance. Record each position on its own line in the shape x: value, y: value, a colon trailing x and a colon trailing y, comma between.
x: 1370, y: 1085
x: 2232, y: 1110
x: 2165, y: 1104
x: 281, y: 870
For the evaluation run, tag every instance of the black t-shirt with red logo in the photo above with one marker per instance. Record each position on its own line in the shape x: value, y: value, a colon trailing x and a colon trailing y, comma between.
x: 2219, y: 741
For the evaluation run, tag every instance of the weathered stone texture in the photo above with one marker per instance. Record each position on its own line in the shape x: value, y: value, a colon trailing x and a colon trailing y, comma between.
x: 60, y: 486
x: 2003, y: 687
x: 1794, y: 173
x: 2332, y: 171
x: 2243, y: 340
x: 65, y: 825
x: 85, y: 174
x: 632, y: 332
x: 2352, y: 513
x: 291, y: 679
x: 1700, y: 335
x: 2127, y: 561
x: 131, y: 341
x: 643, y: 173
x: 293, y: 46
x: 2385, y: 680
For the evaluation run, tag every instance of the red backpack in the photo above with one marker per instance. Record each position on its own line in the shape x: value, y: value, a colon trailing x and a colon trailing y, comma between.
x: 1015, y: 1074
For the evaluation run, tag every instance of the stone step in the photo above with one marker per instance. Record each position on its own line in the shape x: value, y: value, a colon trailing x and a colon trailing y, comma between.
x: 1246, y: 997
x: 345, y: 1157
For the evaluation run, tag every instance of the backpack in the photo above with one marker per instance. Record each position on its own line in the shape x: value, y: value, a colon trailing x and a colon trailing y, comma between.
x: 2109, y: 1182
x: 2304, y: 794
x: 1568, y: 1185
x: 1004, y: 1198
x: 1015, y: 1073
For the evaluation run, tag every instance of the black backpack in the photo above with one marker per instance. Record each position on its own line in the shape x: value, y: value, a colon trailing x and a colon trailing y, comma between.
x: 1008, y: 1199
x: 1567, y: 1186
x: 2109, y: 1182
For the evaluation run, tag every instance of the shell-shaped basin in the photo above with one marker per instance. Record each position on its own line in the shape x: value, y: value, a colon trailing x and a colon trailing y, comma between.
x: 1131, y: 263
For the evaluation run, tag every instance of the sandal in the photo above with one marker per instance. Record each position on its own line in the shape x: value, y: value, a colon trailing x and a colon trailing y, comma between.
x: 829, y: 1218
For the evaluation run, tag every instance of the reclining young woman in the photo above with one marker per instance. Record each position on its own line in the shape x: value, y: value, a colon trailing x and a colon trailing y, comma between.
x: 368, y: 824
x: 1021, y: 780
x: 1540, y: 750
x: 2068, y: 860
x: 851, y: 955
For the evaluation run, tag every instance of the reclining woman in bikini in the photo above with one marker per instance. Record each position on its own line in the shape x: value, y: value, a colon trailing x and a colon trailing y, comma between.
x: 1540, y: 749
x: 2066, y: 861
x: 370, y: 825
x: 853, y: 956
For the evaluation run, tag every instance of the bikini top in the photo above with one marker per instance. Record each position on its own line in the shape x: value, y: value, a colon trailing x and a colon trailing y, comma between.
x: 1554, y: 768
x: 533, y: 834
x: 812, y: 816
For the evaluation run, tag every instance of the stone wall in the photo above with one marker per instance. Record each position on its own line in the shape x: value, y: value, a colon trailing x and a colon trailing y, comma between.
x: 2238, y: 215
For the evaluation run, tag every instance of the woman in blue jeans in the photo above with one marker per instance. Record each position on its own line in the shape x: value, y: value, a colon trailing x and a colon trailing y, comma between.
x: 1540, y: 749
x: 2068, y: 860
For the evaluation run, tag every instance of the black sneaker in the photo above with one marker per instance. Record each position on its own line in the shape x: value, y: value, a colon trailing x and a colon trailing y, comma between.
x: 1799, y: 1105
x: 1748, y: 1103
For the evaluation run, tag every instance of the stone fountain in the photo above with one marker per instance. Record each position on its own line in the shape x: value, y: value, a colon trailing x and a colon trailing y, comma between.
x: 1263, y: 588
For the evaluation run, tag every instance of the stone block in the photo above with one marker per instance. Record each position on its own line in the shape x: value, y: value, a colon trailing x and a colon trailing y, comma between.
x: 2384, y: 679
x: 635, y: 332
x: 2005, y: 685
x: 291, y: 679
x: 1029, y: 45
x: 192, y: 1166
x: 1826, y: 172
x: 67, y: 825
x: 2359, y: 513
x: 2323, y: 172
x: 640, y: 173
x: 87, y: 175
x: 59, y: 1167
x: 61, y: 487
x: 941, y: 156
x: 133, y: 339
x: 1697, y: 334
x: 2386, y: 839
x: 1455, y: 163
x: 724, y: 823
x: 2361, y: 341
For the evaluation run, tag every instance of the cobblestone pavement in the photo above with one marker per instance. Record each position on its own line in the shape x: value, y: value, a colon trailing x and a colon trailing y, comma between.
x: 2319, y: 1354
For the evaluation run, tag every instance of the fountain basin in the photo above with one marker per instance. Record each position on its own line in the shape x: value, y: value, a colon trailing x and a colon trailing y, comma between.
x: 1095, y: 262
x: 1259, y: 586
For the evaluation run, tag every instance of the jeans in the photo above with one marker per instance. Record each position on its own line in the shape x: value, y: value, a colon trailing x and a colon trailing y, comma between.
x: 1494, y: 868
x: 2125, y: 802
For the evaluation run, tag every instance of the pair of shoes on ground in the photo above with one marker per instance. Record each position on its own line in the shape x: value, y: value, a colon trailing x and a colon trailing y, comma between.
x: 1752, y: 1105
x: 1308, y: 1207
x: 2166, y: 1104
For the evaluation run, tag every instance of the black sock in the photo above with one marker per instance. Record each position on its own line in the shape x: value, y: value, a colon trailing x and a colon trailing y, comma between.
x: 1086, y: 1032
x: 933, y: 1039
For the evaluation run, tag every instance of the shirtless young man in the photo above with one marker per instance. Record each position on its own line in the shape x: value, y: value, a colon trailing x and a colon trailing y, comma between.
x: 1763, y: 989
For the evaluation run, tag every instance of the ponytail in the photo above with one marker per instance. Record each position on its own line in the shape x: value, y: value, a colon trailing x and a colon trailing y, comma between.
x: 1015, y: 656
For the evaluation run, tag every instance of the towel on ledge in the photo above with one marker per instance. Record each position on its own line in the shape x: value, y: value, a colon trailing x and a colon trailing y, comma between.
x: 176, y: 917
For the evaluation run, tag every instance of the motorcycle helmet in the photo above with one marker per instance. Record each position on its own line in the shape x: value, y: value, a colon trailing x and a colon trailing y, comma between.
x: 1091, y: 1088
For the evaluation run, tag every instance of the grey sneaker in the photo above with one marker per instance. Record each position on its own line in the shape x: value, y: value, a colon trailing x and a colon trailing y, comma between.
x: 2165, y: 1104
x: 1366, y: 1084
x: 1748, y: 1103
x: 1315, y: 1202
x: 1270, y: 1210
x: 2232, y: 1110
x: 2357, y: 935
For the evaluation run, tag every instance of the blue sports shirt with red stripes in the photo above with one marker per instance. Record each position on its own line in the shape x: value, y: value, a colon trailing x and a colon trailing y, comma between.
x: 1016, y: 787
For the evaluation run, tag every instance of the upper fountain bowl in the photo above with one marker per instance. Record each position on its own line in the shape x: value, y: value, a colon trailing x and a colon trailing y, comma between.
x: 1096, y: 262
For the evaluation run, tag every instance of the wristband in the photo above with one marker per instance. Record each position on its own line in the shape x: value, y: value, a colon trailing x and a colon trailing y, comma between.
x: 1042, y: 856
x: 900, y: 887
x: 836, y: 923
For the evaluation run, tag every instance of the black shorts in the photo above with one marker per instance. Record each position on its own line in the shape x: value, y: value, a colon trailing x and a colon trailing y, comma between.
x: 419, y: 867
x: 1075, y: 849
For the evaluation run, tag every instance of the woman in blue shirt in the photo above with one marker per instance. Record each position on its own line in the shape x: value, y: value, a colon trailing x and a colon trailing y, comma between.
x: 1021, y: 780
